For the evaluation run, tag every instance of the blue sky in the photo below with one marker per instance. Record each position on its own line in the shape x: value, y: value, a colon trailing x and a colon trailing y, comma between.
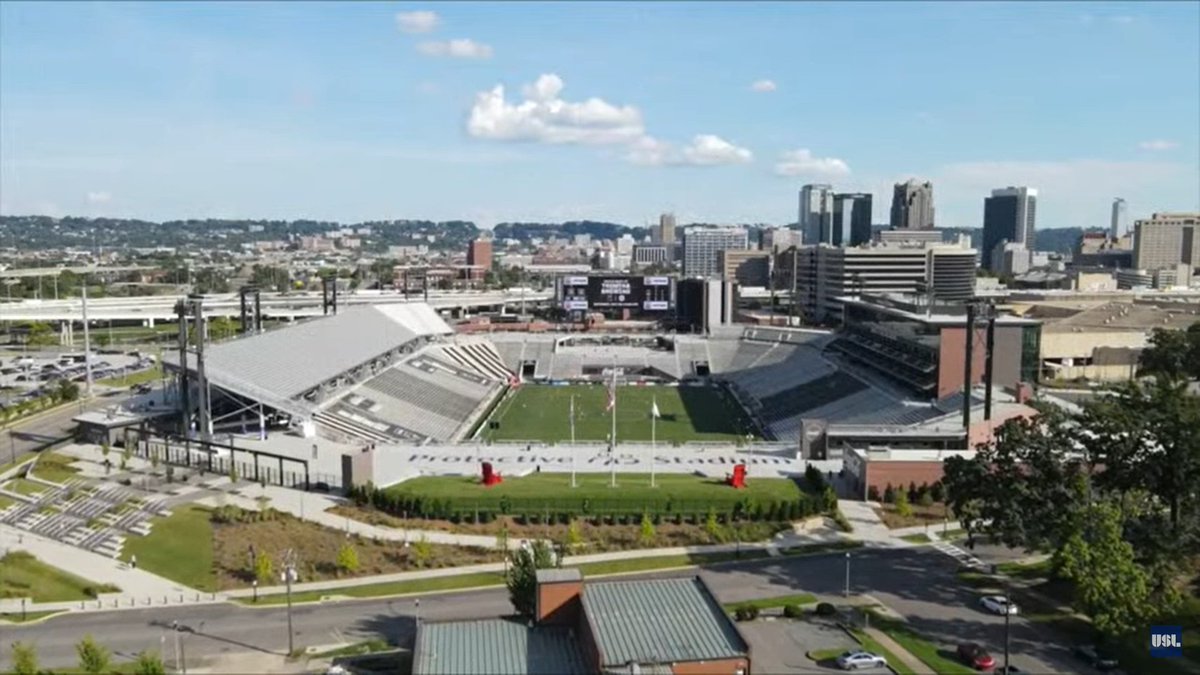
x: 719, y: 112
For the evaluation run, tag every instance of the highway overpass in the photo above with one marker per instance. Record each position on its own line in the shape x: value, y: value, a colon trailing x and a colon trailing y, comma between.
x: 149, y: 309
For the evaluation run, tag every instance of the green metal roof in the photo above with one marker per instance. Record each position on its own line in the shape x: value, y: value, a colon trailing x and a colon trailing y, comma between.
x: 659, y: 621
x: 495, y: 647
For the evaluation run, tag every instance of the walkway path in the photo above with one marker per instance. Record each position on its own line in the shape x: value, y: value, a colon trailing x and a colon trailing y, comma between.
x: 866, y: 523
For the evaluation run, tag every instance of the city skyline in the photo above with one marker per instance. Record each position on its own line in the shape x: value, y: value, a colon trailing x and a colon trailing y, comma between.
x: 553, y: 112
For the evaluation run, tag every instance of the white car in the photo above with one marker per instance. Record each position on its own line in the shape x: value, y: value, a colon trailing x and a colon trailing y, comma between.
x: 860, y: 659
x: 998, y: 604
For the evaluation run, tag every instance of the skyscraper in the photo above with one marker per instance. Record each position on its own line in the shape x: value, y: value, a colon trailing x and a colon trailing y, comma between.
x: 816, y: 213
x: 1166, y: 240
x: 1117, y: 227
x: 702, y: 245
x: 666, y: 229
x: 851, y: 218
x: 912, y: 206
x: 1009, y: 216
x: 479, y: 253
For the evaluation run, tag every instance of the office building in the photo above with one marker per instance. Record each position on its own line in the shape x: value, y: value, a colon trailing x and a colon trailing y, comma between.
x: 912, y: 206
x: 922, y: 347
x: 1166, y: 240
x: 816, y: 213
x: 909, y: 236
x: 1010, y: 259
x: 747, y: 268
x: 646, y: 255
x: 1009, y: 216
x: 479, y: 254
x: 851, y: 219
x: 1117, y: 226
x: 778, y: 239
x: 822, y: 275
x: 702, y: 246
x: 665, y: 234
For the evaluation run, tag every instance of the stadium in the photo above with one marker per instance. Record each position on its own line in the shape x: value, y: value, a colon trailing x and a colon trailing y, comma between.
x: 388, y: 392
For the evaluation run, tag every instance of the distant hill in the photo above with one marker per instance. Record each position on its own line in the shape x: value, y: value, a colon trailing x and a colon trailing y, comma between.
x: 1057, y: 240
x: 593, y: 228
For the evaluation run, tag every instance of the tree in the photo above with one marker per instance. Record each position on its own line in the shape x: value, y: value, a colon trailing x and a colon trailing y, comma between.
x: 67, y: 390
x: 24, y: 659
x: 502, y: 540
x: 93, y: 657
x: 1172, y: 354
x: 522, y: 575
x: 711, y: 526
x: 149, y: 663
x: 646, y: 535
x: 1110, y: 586
x: 925, y: 498
x: 347, y: 559
x: 903, y: 509
x: 574, y: 535
x: 422, y: 551
x: 126, y: 454
x: 264, y: 569
x: 221, y: 328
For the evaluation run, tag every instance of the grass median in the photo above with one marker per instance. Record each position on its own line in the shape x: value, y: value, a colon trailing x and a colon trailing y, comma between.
x: 941, y: 661
x: 457, y: 582
x: 27, y: 577
x: 775, y: 602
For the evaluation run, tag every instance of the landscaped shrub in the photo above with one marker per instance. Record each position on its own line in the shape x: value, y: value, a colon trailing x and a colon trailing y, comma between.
x: 793, y: 611
x: 745, y: 613
x: 825, y: 609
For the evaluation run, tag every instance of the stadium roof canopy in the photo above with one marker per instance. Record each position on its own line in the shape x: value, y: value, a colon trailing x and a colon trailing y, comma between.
x: 281, y: 365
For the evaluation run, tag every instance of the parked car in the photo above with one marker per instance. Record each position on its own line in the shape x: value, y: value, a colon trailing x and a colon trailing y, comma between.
x: 854, y: 660
x: 998, y: 604
x: 975, y: 656
x: 1096, y: 657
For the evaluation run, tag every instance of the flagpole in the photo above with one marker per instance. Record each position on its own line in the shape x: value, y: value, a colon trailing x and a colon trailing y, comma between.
x: 612, y: 449
x: 653, y: 435
x: 574, y: 450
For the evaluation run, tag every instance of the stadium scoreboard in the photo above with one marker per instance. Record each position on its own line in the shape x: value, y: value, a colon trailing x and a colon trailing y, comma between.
x: 604, y: 293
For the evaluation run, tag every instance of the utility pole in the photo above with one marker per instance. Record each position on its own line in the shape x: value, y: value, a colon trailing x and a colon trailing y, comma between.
x: 87, y: 344
x: 289, y: 572
x: 847, y: 575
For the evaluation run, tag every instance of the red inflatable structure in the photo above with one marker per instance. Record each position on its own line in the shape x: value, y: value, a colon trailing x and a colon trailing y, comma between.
x: 738, y: 478
x: 490, y: 477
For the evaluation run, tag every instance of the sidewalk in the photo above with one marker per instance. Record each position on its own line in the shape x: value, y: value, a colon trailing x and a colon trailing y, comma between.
x: 138, y: 587
x: 866, y: 523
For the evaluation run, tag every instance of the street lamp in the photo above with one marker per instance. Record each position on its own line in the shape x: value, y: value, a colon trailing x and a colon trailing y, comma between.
x: 1008, y: 605
x: 255, y: 584
x: 847, y: 575
x: 289, y: 574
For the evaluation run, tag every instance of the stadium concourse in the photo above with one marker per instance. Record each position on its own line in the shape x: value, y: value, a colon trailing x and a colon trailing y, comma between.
x: 395, y: 378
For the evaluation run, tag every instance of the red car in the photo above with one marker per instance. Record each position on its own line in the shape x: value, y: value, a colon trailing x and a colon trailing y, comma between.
x: 975, y: 656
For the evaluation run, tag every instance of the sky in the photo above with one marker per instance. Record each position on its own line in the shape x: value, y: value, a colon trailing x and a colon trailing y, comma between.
x: 560, y: 111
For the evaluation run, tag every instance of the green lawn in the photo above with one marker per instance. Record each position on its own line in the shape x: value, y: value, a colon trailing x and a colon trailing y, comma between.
x: 778, y: 601
x: 179, y: 547
x: 27, y: 577
x: 918, y: 538
x: 869, y: 644
x: 633, y: 494
x: 819, y: 655
x: 542, y: 413
x: 24, y: 486
x: 54, y: 467
x: 15, y: 617
x: 447, y: 583
x: 923, y: 649
x: 5, y: 502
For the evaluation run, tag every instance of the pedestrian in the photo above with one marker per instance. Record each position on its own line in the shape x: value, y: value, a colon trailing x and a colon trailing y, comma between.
x: 133, y: 561
x: 539, y: 468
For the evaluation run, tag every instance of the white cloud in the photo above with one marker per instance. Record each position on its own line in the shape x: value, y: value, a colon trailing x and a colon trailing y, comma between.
x: 1158, y: 144
x: 544, y: 116
x: 710, y: 150
x: 704, y: 150
x: 461, y: 48
x: 98, y: 197
x: 421, y: 21
x: 802, y: 163
x: 763, y: 86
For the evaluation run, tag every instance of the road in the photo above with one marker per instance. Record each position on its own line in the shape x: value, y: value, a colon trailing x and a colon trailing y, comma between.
x: 26, y: 436
x: 919, y: 583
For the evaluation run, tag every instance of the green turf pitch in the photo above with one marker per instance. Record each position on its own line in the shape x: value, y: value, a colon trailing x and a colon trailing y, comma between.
x: 684, y: 490
x: 541, y: 413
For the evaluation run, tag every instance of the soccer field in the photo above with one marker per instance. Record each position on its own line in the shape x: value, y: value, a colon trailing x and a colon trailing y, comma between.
x: 542, y: 413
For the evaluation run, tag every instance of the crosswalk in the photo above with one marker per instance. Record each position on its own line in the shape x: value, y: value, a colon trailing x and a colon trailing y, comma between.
x: 960, y: 555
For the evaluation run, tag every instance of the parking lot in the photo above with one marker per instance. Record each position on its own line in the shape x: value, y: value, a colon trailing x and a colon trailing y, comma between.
x: 780, y: 646
x: 27, y: 375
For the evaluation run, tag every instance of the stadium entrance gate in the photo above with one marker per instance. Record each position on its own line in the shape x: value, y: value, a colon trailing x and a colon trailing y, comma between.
x: 259, y: 466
